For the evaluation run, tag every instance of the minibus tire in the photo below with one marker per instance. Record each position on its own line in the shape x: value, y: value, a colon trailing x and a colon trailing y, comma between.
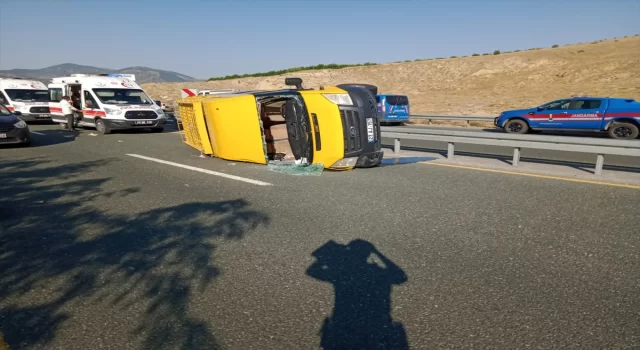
x: 102, y: 127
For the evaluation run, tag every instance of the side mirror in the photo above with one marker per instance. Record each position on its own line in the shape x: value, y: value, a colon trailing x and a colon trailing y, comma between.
x: 297, y: 82
x: 17, y: 113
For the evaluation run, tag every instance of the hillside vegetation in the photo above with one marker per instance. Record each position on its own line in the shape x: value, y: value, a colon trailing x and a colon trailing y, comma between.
x: 291, y: 70
x: 143, y: 74
x: 478, y: 85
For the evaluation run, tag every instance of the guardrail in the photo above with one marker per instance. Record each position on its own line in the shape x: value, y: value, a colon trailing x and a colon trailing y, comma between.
x: 468, y: 119
x: 430, y: 118
x: 518, y: 142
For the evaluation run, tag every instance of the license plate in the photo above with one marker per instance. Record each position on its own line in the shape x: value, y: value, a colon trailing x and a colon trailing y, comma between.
x: 3, y: 136
x: 44, y: 116
x: 392, y: 116
x: 143, y: 122
x: 370, y: 130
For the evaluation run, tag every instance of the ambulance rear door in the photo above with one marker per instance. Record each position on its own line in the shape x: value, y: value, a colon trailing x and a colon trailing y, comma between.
x: 56, y: 91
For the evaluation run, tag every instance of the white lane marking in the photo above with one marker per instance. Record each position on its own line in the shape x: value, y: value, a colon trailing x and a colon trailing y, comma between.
x: 210, y: 172
x: 38, y: 133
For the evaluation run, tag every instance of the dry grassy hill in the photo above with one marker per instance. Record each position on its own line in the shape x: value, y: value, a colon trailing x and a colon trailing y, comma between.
x: 481, y: 85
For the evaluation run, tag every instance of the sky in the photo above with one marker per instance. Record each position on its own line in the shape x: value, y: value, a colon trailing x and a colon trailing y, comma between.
x: 207, y: 38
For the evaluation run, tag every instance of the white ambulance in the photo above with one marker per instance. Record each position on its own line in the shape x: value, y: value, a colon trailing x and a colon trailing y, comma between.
x: 107, y: 103
x: 27, y: 98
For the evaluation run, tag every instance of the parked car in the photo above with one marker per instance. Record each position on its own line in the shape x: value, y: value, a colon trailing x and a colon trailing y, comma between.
x: 619, y: 117
x: 13, y: 130
x: 393, y: 109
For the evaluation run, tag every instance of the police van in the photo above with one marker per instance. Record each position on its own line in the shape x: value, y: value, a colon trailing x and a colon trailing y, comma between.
x: 107, y: 103
x: 27, y: 98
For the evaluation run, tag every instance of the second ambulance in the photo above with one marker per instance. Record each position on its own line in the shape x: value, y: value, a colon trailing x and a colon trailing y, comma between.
x: 107, y: 103
x: 27, y: 98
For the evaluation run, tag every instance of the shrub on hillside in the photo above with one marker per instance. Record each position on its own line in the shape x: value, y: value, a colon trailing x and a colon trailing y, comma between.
x: 476, y: 54
x: 453, y: 57
x: 554, y: 46
x: 292, y: 70
x: 496, y: 52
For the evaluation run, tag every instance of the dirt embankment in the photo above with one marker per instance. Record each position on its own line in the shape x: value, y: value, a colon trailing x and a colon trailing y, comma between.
x: 481, y: 85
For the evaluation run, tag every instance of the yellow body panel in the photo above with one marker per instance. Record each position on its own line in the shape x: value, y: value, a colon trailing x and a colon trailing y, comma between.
x: 229, y: 127
x: 194, y: 124
x: 234, y: 126
x: 329, y: 125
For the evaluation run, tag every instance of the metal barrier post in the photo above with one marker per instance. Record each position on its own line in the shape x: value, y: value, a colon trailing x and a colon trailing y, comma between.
x: 599, y: 164
x: 450, y: 149
x: 396, y: 146
x: 599, y: 147
x: 516, y: 156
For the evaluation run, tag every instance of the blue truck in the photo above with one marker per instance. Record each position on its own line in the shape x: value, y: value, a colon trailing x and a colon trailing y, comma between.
x: 619, y: 117
x: 392, y: 109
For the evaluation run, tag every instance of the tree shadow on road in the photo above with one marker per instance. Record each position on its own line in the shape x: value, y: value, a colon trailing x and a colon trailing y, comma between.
x: 61, y: 251
x: 361, y: 316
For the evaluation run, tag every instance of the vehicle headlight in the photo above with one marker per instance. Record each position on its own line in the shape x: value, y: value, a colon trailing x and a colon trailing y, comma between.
x: 20, y: 125
x: 339, y: 99
x: 113, y: 111
x: 345, y: 163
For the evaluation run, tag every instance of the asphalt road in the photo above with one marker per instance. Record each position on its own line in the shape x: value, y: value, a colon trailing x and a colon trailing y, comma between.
x: 102, y: 250
x: 530, y: 155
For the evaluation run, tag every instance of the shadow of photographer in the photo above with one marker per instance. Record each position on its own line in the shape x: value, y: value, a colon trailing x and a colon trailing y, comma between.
x: 363, y: 279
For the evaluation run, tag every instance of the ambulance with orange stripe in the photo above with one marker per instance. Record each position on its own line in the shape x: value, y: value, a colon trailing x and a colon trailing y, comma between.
x: 108, y: 102
x: 27, y: 98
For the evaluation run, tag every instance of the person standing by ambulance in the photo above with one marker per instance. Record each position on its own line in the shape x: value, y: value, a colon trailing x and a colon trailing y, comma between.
x: 67, y: 111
